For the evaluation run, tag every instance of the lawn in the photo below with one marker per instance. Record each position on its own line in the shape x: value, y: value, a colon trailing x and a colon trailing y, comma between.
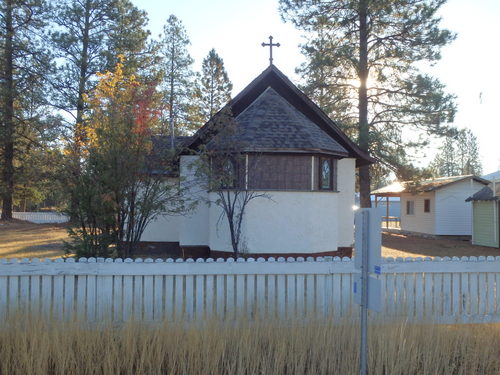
x: 20, y: 239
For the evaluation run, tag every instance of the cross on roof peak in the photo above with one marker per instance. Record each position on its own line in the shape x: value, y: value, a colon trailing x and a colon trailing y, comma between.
x: 270, y: 45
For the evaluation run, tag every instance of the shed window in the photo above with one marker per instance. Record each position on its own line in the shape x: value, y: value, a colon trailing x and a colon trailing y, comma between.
x: 427, y: 205
x: 410, y: 207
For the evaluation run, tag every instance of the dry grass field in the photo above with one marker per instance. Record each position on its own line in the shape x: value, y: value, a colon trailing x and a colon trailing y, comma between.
x: 34, y: 346
x: 20, y: 239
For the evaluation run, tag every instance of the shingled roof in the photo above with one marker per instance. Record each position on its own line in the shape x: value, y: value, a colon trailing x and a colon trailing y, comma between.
x: 161, y: 147
x: 270, y: 123
x: 485, y: 194
x: 275, y: 116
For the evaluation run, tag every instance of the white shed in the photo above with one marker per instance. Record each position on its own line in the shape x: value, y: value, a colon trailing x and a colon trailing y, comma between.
x: 436, y: 206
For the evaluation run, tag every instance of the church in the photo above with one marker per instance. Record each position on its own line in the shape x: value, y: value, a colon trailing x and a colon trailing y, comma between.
x: 306, y: 168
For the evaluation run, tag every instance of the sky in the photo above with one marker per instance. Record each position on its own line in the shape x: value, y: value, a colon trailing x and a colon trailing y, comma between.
x: 236, y: 28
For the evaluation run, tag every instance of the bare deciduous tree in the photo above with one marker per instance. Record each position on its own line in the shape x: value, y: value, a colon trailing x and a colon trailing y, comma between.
x: 223, y: 165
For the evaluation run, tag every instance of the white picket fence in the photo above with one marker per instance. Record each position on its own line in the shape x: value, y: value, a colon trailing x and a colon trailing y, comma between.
x: 41, y: 217
x: 441, y: 290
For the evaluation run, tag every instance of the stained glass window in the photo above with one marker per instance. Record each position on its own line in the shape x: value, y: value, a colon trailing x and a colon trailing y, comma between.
x: 326, y: 174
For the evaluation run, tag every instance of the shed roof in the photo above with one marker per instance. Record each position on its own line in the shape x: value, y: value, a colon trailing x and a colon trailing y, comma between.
x: 424, y: 186
x: 299, y: 111
x: 485, y: 194
x: 492, y: 176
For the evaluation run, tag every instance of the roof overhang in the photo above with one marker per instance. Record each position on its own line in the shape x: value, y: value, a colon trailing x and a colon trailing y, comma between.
x: 273, y: 77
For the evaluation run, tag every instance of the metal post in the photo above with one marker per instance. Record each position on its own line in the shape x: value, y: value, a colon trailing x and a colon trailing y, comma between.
x: 363, y: 349
x: 387, y: 212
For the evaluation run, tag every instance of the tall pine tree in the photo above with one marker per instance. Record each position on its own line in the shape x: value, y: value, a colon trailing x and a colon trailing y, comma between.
x: 213, y: 87
x: 88, y: 36
x: 178, y: 76
x: 361, y: 62
x: 24, y: 65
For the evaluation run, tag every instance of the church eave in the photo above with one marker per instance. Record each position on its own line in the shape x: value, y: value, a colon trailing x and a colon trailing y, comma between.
x: 311, y: 151
x: 273, y: 77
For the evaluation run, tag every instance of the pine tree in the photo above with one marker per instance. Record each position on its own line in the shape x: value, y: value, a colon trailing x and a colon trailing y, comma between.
x: 128, y: 37
x: 24, y: 66
x: 361, y: 62
x: 459, y: 155
x: 178, y: 76
x: 444, y: 163
x: 214, y: 87
x: 469, y: 161
x: 88, y: 36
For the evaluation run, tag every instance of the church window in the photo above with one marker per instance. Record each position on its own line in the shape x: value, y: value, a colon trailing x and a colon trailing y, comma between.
x: 326, y: 174
x: 225, y: 173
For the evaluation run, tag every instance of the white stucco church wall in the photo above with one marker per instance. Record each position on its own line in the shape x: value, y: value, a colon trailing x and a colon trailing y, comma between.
x: 346, y: 186
x: 287, y: 222
x: 165, y: 228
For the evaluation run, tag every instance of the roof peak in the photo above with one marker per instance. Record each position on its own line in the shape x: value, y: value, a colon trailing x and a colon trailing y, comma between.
x: 279, y: 82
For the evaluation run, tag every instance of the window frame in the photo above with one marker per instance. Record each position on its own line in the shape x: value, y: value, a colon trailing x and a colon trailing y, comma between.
x: 220, y: 169
x: 333, y: 171
x: 410, y: 207
x: 427, y: 205
x: 322, y: 161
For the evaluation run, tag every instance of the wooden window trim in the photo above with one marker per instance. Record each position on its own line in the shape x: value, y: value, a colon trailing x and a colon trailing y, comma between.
x: 427, y: 205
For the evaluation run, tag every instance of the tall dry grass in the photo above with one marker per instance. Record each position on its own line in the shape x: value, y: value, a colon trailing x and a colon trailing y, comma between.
x: 37, y: 346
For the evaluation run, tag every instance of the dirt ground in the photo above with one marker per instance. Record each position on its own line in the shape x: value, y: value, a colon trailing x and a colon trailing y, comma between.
x: 21, y: 239
x: 400, y: 245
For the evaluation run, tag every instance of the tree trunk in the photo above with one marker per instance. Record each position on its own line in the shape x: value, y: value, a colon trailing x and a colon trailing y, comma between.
x: 364, y: 131
x: 8, y: 112
x: 171, y: 99
x: 79, y: 133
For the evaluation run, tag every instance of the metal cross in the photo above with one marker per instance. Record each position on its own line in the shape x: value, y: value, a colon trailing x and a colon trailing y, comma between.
x: 271, y: 45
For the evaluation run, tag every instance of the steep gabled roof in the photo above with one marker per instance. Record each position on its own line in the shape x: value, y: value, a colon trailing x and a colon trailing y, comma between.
x: 424, y: 186
x: 288, y: 101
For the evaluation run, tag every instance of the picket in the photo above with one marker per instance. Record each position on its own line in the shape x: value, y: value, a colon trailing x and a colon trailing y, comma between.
x: 446, y: 290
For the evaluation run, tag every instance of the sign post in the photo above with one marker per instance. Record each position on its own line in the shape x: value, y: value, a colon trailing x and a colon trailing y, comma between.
x: 367, y: 289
